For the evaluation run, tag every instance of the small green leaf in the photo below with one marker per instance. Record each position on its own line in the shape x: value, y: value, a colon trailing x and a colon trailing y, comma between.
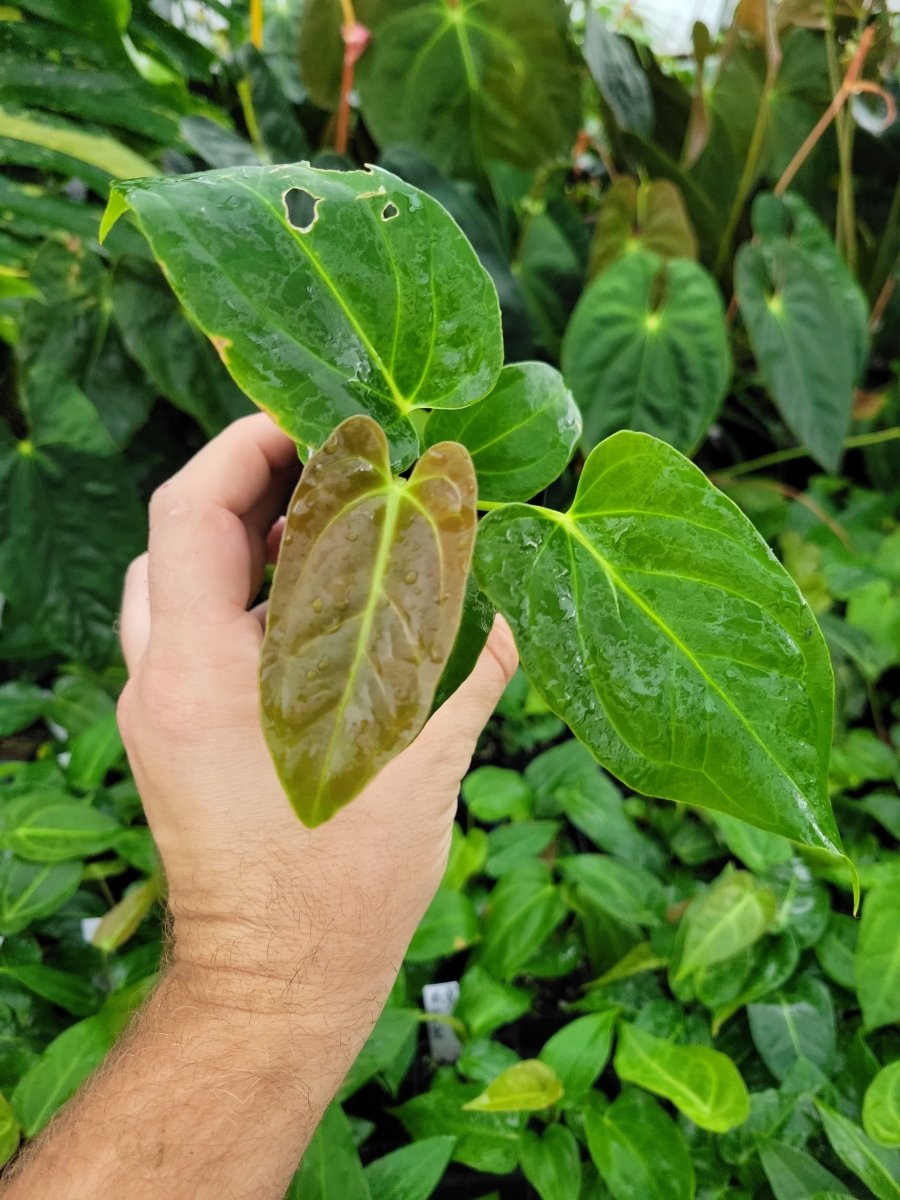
x: 449, y: 925
x: 877, y: 1166
x: 511, y: 846
x: 579, y: 1051
x: 29, y: 892
x: 21, y: 704
x: 93, y: 753
x: 638, y: 959
x: 59, y: 832
x: 365, y: 602
x: 68, y: 991
x: 648, y: 216
x: 485, y: 1141
x: 412, y: 1172
x: 551, y: 1163
x: 795, y: 1025
x: 523, y: 910
x: 878, y: 957
x: 59, y: 1072
x: 733, y: 914
x: 625, y: 891
x: 793, y: 1175
x: 496, y: 794
x: 521, y: 436
x: 647, y: 350
x: 639, y: 1150
x: 881, y: 1106
x: 528, y: 1086
x: 485, y: 1004
x: 124, y: 919
x: 330, y: 1169
x: 703, y: 1083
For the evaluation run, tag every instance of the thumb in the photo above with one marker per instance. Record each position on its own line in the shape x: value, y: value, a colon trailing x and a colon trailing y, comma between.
x: 452, y: 731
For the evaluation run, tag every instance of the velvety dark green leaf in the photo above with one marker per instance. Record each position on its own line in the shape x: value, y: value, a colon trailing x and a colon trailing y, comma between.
x: 877, y: 1166
x: 412, y: 1172
x: 62, y: 1068
x: 485, y: 1141
x: 579, y: 1052
x: 551, y: 1163
x: 520, y: 436
x: 330, y: 1169
x: 336, y: 339
x: 881, y: 1106
x: 649, y: 216
x: 654, y: 619
x: 794, y: 1025
x: 68, y: 991
x: 703, y: 1083
x: 485, y: 1003
x: 730, y: 917
x: 29, y: 891
x: 799, y: 334
x: 639, y: 1150
x: 524, y: 910
x: 9, y: 1131
x: 470, y: 85
x: 647, y: 349
x: 365, y: 603
x: 794, y: 1175
x: 497, y: 794
x: 528, y: 1086
x: 617, y: 73
x: 625, y: 891
x: 449, y: 925
x: 878, y: 957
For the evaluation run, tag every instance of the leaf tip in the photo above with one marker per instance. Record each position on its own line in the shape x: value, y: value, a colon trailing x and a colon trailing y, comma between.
x: 115, y: 206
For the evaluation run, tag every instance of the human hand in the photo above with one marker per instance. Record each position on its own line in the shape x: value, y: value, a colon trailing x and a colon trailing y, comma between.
x: 254, y: 895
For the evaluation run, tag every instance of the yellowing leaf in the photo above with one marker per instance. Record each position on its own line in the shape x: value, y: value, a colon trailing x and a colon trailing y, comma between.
x: 526, y: 1087
x: 363, y: 612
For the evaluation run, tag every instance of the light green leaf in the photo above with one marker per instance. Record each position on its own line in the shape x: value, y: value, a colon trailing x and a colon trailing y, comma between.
x: 878, y: 957
x: 449, y: 925
x: 733, y: 914
x: 703, y: 1083
x: 366, y: 602
x: 330, y: 1169
x: 881, y: 1106
x: 523, y: 911
x: 655, y: 621
x: 357, y: 325
x: 69, y: 138
x: 625, y: 891
x: 56, y: 833
x: 755, y: 848
x: 94, y: 752
x: 412, y: 1172
x: 496, y: 794
x: 551, y: 1163
x: 528, y: 1086
x: 510, y: 846
x: 60, y: 1071
x: 124, y: 919
x: 520, y: 436
x: 877, y: 1166
x: 9, y: 1131
x: 795, y: 1025
x: 647, y: 349
x: 579, y: 1051
x: 485, y: 1004
x: 640, y: 958
x: 21, y: 704
x: 639, y: 1150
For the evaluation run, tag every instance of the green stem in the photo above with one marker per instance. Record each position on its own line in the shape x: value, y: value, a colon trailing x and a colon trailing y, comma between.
x: 490, y: 505
x: 782, y: 456
x: 845, y: 225
x: 245, y: 96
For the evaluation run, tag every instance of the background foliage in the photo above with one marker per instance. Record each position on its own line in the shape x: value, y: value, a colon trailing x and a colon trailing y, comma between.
x: 653, y: 1001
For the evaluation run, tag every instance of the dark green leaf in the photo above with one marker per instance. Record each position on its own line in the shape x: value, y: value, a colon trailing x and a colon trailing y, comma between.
x: 20, y: 706
x: 523, y: 911
x: 29, y: 892
x: 579, y: 1052
x: 795, y: 1025
x: 639, y: 1150
x: 617, y: 73
x: 62, y: 1068
x: 393, y: 1031
x: 486, y: 1141
x: 68, y: 991
x: 551, y: 1163
x: 877, y: 1166
x: 625, y: 891
x: 449, y: 925
x: 793, y: 1175
x: 412, y: 1172
x: 330, y: 1169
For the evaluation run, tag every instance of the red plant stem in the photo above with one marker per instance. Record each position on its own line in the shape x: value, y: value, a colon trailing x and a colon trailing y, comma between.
x: 356, y: 37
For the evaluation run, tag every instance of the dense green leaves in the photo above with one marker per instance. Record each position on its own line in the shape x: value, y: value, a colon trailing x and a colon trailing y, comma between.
x: 731, y: 916
x: 878, y: 957
x: 412, y: 1172
x: 64, y: 1066
x: 363, y: 612
x: 647, y: 350
x: 342, y: 335
x: 655, y: 620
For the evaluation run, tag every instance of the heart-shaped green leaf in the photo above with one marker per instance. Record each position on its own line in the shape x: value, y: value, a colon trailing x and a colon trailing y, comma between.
x: 655, y: 621
x: 363, y: 612
x: 647, y: 349
x: 633, y: 215
x: 354, y: 323
x: 524, y: 1087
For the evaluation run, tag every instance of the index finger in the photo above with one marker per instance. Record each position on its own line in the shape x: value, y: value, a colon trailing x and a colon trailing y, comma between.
x: 208, y: 528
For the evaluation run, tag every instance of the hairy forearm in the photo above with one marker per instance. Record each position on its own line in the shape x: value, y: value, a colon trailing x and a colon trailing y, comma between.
x: 214, y: 1092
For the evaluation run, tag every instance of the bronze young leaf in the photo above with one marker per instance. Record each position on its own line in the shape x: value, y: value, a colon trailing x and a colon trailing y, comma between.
x: 364, y: 609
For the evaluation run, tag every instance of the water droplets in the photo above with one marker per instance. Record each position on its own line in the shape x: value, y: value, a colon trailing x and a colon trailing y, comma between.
x: 410, y: 577
x: 318, y: 604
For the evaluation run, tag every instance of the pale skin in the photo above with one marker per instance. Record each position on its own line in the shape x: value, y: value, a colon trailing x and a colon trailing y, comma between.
x: 285, y: 941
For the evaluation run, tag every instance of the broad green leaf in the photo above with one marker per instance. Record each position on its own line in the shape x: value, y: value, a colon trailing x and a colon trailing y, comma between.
x: 93, y: 753
x: 124, y: 919
x: 794, y: 1175
x: 450, y: 924
x: 512, y: 846
x: 485, y: 1141
x: 477, y: 619
x: 655, y: 621
x: 551, y: 1163
x: 752, y: 975
x: 470, y: 84
x: 703, y: 1083
x: 56, y: 833
x: 9, y: 1131
x: 639, y: 1150
x: 733, y: 914
x: 523, y: 910
x: 70, y: 992
x: 468, y: 854
x: 795, y: 1025
x: 363, y: 612
x: 579, y: 1051
x: 411, y: 1173
x: 61, y: 1069
x: 393, y: 1032
x: 496, y: 794
x: 528, y: 1086
x: 621, y: 889
x: 330, y: 1169
x: 649, y: 216
x: 29, y: 892
x: 877, y: 1166
x: 521, y: 436
x: 881, y: 1106
x: 755, y: 848
x: 70, y: 139
x: 799, y: 334
x: 878, y: 957
x: 836, y: 950
x: 647, y: 349
x: 357, y: 325
x: 485, y: 1004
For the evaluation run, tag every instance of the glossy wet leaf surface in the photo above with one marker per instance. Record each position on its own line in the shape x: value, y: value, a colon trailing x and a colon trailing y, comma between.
x: 521, y: 436
x: 877, y: 1166
x: 355, y: 323
x: 656, y: 622
x: 363, y: 612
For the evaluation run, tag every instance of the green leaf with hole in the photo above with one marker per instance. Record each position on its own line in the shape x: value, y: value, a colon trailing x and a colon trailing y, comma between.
x: 647, y: 349
x: 639, y: 1150
x: 363, y: 612
x: 528, y: 1086
x: 521, y: 436
x: 878, y: 957
x: 655, y: 621
x: 881, y: 1106
x: 468, y: 83
x: 356, y: 324
x: 877, y: 1166
x: 703, y: 1083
